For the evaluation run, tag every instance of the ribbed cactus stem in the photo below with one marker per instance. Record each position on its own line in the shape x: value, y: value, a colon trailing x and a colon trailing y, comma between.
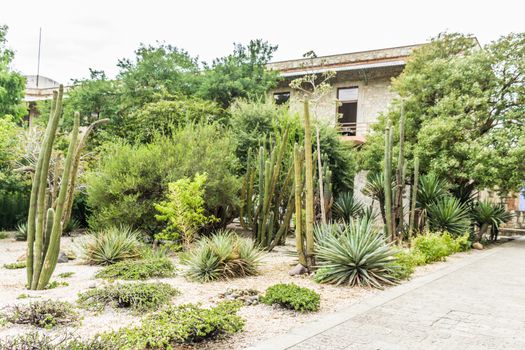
x: 41, y: 176
x: 400, y: 174
x: 412, y: 218
x: 298, y: 191
x: 388, y: 180
x: 51, y: 256
x: 309, y: 197
x: 320, y: 172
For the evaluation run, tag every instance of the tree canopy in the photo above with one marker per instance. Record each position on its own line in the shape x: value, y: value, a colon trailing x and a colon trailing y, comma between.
x: 464, y: 108
x: 12, y: 84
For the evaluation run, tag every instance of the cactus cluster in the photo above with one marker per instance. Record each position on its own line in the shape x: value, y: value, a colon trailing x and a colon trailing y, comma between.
x: 46, y: 218
x: 267, y: 191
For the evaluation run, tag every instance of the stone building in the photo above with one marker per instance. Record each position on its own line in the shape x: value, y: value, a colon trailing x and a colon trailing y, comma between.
x: 360, y: 88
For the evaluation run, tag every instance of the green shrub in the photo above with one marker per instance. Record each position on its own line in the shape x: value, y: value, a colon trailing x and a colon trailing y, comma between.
x: 405, y: 263
x: 45, y: 314
x: 56, y: 284
x: 137, y: 296
x: 183, y: 210
x: 15, y: 265
x: 293, y: 297
x: 223, y: 255
x: 464, y: 242
x: 353, y: 254
x: 111, y: 245
x: 437, y: 246
x: 66, y: 341
x: 124, y: 186
x: 178, y: 325
x: 138, y: 269
x: 66, y: 274
x: 4, y: 235
x: 448, y: 214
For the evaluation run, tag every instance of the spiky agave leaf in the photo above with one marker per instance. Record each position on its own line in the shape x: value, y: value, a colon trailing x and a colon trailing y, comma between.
x: 490, y: 213
x: 448, y: 214
x: 354, y: 254
x: 430, y: 189
x: 347, y: 207
x: 111, y: 245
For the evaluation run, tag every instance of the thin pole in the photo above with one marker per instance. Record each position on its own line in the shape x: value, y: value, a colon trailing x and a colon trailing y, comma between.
x: 38, y: 65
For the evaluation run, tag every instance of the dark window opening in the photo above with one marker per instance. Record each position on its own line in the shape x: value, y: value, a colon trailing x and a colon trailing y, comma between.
x: 281, y: 97
x: 347, y: 110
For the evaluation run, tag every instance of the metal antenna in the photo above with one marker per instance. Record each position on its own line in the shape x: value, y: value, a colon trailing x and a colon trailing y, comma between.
x: 38, y: 66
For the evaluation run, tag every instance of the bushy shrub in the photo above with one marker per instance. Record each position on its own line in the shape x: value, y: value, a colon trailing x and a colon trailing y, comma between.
x: 293, y: 297
x: 405, y: 263
x: 111, y: 245
x: 437, y: 246
x: 183, y: 210
x: 66, y: 341
x: 177, y: 325
x: 126, y: 183
x: 137, y: 296
x: 45, y: 314
x: 223, y: 255
x: 353, y: 254
x: 138, y: 269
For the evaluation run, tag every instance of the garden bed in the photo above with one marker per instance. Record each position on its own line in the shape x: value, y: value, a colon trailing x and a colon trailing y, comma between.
x: 262, y: 321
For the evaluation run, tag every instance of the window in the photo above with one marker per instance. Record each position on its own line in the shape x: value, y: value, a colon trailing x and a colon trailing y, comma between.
x: 348, y: 110
x: 281, y: 97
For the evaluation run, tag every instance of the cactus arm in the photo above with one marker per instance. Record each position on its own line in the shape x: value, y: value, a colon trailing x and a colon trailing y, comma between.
x: 298, y: 190
x: 309, y: 210
x: 51, y: 256
x: 41, y: 177
x: 49, y: 227
x: 76, y: 163
x: 412, y: 218
x: 388, y: 179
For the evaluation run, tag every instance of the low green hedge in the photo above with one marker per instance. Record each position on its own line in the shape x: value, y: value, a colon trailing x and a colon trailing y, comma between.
x: 293, y: 297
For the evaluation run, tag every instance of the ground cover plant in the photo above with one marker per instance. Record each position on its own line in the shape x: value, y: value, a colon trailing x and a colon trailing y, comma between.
x: 354, y: 254
x: 44, y: 314
x: 15, y: 265
x: 437, y: 246
x: 177, y: 325
x: 138, y: 269
x: 111, y: 245
x: 221, y: 256
x: 139, y: 296
x: 292, y: 296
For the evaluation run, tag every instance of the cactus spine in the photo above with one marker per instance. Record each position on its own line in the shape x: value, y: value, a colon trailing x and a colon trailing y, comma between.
x: 309, y: 197
x: 387, y: 171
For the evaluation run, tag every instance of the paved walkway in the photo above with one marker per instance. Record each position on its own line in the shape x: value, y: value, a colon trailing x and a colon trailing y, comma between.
x: 474, y: 303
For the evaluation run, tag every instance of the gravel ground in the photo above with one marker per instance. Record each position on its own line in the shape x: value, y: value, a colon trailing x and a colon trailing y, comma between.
x: 262, y: 321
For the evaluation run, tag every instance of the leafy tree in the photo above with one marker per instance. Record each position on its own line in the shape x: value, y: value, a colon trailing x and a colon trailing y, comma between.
x: 12, y: 84
x: 465, y: 113
x: 240, y: 74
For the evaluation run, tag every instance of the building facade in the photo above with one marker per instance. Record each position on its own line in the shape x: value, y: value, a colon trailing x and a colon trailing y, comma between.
x: 360, y: 88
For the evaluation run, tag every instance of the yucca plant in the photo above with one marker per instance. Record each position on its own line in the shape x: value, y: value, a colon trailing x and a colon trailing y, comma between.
x: 111, y: 245
x: 346, y: 207
x: 448, y: 214
x: 486, y: 214
x: 221, y: 256
x: 354, y: 254
x: 430, y: 189
x: 375, y: 189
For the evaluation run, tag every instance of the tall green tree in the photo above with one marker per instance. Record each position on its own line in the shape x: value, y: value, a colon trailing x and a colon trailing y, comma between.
x: 12, y: 84
x: 465, y: 112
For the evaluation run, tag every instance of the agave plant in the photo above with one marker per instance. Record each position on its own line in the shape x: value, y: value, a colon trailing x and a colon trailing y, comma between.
x: 486, y: 214
x: 221, y: 256
x: 21, y: 232
x: 354, y: 254
x: 430, y: 189
x: 375, y: 189
x: 448, y: 214
x: 346, y: 207
x: 111, y: 245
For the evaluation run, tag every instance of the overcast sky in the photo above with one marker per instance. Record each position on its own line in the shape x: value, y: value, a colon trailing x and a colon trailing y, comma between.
x: 77, y: 35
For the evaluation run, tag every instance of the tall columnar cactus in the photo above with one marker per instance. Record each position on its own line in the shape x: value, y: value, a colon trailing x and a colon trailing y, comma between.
x: 320, y: 174
x: 309, y: 184
x: 387, y: 171
x: 45, y: 220
x: 400, y: 177
x: 298, y: 192
x: 415, y: 183
x: 267, y: 208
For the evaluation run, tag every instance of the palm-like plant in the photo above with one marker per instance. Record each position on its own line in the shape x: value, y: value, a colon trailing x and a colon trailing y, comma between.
x: 448, y: 214
x: 111, y: 245
x: 223, y: 255
x: 486, y: 214
x: 353, y: 254
x: 346, y: 207
x: 375, y: 189
x: 430, y: 189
